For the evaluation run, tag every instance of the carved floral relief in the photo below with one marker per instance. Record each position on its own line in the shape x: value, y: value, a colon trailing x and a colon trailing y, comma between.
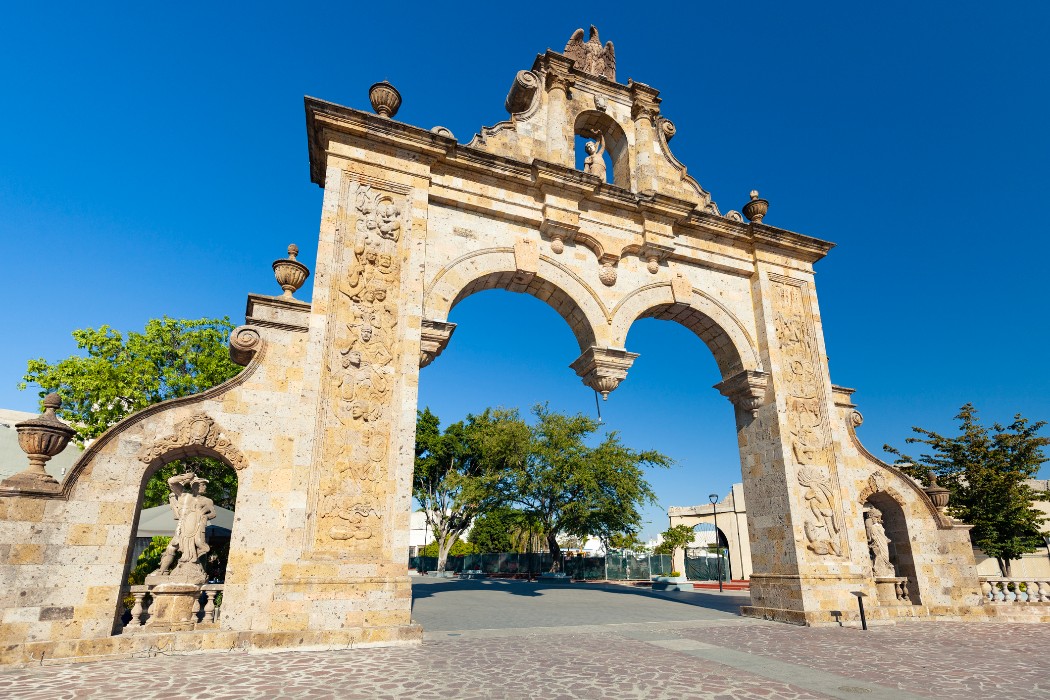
x: 809, y: 437
x: 198, y: 429
x: 361, y: 364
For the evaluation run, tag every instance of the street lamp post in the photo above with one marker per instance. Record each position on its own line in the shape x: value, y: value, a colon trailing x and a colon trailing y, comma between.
x: 714, y: 507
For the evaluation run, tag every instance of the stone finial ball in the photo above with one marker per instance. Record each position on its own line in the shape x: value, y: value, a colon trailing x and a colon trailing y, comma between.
x: 53, y: 401
x: 293, y: 250
x: 754, y: 194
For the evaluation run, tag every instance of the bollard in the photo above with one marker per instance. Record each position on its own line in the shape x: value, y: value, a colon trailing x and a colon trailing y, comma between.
x: 860, y: 601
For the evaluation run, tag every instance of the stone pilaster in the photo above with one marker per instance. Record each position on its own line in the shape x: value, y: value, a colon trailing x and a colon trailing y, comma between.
x: 559, y: 82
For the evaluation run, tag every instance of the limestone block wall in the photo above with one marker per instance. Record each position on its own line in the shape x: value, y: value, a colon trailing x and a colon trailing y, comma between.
x: 64, y: 558
x: 940, y: 548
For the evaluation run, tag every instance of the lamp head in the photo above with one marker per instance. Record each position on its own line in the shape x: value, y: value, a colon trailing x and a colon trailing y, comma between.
x: 713, y: 498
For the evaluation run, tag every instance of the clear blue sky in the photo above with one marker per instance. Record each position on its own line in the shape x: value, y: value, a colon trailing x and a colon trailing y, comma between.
x: 153, y: 161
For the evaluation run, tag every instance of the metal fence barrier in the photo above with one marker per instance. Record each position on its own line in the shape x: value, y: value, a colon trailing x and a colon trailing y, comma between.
x: 615, y: 566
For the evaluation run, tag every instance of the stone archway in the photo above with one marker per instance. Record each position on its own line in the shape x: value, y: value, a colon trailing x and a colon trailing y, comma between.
x: 324, y: 414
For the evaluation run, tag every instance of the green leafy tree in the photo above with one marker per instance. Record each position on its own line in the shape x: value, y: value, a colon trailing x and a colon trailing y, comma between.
x: 458, y: 472
x: 569, y: 488
x: 221, y: 488
x: 459, y: 548
x: 496, y: 531
x: 115, y: 376
x: 985, y: 472
x: 149, y: 560
x: 674, y: 538
x: 628, y: 541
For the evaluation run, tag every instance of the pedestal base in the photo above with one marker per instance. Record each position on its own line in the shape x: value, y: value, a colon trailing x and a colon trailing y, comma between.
x: 173, y: 607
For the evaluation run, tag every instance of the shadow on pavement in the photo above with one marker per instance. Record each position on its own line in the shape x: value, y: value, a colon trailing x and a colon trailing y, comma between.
x: 429, y: 588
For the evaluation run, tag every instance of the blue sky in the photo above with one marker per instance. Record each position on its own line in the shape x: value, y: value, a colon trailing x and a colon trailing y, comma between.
x: 153, y: 161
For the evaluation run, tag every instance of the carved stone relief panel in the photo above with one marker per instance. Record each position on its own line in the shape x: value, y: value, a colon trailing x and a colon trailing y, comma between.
x: 809, y: 429
x: 362, y: 354
x: 198, y: 429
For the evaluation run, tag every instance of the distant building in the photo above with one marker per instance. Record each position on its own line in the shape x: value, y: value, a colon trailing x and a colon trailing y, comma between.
x: 732, y: 525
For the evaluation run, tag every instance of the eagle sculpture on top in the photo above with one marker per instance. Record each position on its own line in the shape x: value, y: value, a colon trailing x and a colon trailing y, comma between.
x: 590, y: 56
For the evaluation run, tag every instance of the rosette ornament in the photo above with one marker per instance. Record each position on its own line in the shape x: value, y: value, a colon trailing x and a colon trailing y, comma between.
x: 290, y: 273
x: 41, y: 438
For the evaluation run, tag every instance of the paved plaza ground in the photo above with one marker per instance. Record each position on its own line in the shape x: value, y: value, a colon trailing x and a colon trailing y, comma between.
x: 514, y: 639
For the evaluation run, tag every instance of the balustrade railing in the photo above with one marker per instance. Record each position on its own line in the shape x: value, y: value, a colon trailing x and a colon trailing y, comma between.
x: 204, y: 615
x: 1003, y: 590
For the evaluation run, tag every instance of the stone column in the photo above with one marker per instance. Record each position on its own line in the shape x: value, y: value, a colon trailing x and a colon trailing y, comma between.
x: 645, y: 111
x: 560, y: 146
x: 364, y: 358
x: 800, y: 543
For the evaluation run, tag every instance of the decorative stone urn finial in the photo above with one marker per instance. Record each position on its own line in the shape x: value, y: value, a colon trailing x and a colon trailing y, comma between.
x: 756, y: 209
x: 937, y: 493
x: 41, y: 438
x: 290, y: 273
x: 386, y: 100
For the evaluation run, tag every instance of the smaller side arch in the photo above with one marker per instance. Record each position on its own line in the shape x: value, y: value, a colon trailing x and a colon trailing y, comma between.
x: 713, y: 323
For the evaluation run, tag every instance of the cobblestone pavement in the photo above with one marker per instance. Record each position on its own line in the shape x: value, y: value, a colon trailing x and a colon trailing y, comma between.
x: 590, y: 642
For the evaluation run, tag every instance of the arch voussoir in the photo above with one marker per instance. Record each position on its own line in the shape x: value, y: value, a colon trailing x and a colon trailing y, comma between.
x: 496, y: 269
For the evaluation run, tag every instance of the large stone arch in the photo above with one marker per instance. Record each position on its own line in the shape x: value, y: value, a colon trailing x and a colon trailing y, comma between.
x: 499, y: 268
x: 413, y: 222
x: 723, y: 333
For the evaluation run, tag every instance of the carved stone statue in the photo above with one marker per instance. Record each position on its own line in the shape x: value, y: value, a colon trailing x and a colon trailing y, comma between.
x: 594, y: 163
x: 878, y: 544
x: 192, y: 511
x: 591, y: 56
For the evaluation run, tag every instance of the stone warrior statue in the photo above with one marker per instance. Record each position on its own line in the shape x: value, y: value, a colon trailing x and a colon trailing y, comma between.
x: 192, y: 510
x: 594, y: 163
x: 878, y: 544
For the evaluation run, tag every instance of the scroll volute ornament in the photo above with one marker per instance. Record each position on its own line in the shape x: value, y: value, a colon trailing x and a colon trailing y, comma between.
x: 290, y: 273
x: 41, y: 438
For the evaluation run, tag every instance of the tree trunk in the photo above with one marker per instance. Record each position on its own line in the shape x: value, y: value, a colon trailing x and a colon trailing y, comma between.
x: 445, y: 543
x: 555, y: 549
x: 1004, y: 566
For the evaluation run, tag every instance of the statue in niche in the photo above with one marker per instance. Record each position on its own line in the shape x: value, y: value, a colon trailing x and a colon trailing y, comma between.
x: 192, y: 510
x: 594, y: 163
x: 590, y: 56
x: 878, y: 544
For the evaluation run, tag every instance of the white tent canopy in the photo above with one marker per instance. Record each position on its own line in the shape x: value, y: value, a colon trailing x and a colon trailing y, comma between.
x: 160, y: 522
